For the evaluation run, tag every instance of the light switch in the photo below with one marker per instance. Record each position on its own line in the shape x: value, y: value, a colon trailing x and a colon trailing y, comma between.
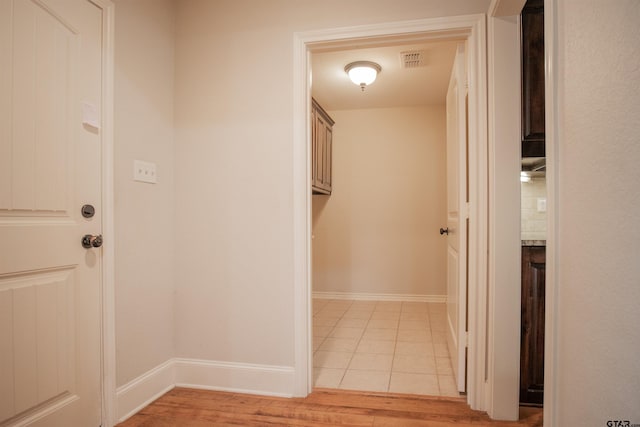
x: 144, y: 172
x: 542, y: 204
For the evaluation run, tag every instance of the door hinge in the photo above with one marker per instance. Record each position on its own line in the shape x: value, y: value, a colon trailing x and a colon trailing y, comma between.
x: 466, y: 209
x: 465, y: 339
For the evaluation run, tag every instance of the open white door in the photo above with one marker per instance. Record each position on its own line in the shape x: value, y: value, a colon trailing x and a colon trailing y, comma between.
x: 457, y: 218
x: 50, y: 166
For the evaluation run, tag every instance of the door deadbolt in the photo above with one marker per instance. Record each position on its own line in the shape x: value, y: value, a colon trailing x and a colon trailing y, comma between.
x: 88, y: 211
x: 90, y: 241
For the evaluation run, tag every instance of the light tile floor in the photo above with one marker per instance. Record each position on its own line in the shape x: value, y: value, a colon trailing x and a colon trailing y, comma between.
x: 383, y: 346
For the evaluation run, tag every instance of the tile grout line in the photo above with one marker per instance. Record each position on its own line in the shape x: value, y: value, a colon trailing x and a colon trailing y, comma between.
x: 433, y: 348
x: 351, y: 358
x: 313, y: 322
x: 331, y: 332
x: 357, y: 344
x: 395, y: 346
x: 328, y: 335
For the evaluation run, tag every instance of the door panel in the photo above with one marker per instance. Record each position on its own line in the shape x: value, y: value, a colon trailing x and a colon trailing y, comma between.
x: 532, y: 326
x: 39, y: 321
x: 50, y: 165
x: 457, y: 218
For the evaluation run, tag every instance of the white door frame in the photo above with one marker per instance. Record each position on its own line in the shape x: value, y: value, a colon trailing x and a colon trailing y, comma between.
x: 553, y: 87
x: 504, y: 299
x: 108, y: 361
x: 469, y: 27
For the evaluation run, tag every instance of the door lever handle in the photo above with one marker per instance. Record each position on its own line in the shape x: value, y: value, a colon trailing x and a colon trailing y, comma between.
x: 444, y: 231
x: 90, y: 241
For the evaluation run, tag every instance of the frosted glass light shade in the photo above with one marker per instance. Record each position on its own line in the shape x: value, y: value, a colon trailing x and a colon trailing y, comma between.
x: 363, y: 73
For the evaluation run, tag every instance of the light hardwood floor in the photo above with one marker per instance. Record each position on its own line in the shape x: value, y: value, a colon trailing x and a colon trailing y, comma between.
x: 198, y: 408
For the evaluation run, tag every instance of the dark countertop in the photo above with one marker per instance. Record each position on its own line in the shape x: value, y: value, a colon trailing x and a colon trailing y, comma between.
x: 534, y: 243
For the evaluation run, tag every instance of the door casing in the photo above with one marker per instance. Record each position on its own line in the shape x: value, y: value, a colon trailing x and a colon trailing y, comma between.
x: 471, y: 28
x: 109, y: 408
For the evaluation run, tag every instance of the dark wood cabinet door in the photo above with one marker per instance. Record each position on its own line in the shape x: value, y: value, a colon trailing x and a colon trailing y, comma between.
x: 533, y: 134
x: 532, y: 324
x: 321, y: 149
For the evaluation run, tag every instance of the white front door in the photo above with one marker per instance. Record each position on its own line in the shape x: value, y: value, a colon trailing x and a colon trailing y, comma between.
x: 457, y: 218
x: 50, y: 166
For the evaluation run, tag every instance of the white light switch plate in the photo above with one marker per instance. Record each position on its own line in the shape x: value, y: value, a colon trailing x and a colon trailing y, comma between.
x: 144, y: 172
x: 542, y: 204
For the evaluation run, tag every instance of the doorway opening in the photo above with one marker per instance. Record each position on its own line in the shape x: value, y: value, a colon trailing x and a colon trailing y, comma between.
x: 379, y: 262
x: 472, y: 30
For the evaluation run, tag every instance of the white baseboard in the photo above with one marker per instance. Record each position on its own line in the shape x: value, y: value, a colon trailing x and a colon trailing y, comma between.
x: 380, y: 297
x: 235, y: 377
x: 136, y: 394
x: 203, y: 374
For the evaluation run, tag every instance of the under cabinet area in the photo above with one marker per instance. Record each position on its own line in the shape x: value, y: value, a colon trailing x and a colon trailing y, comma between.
x: 321, y: 149
x: 532, y: 333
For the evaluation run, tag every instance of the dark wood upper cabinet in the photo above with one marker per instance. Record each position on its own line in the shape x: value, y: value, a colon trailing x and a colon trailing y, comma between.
x: 532, y: 326
x: 533, y: 134
x: 321, y: 150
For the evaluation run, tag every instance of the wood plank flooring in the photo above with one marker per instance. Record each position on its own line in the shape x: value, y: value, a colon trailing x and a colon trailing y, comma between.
x: 324, y: 407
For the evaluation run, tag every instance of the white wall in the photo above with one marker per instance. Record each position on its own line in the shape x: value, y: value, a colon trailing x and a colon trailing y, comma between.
x: 598, y: 202
x: 144, y: 213
x: 378, y: 231
x: 234, y: 166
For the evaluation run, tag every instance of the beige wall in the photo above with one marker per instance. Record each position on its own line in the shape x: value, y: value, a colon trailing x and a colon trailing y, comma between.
x: 233, y: 153
x: 378, y: 231
x: 234, y: 166
x: 144, y: 213
x: 533, y: 222
x: 598, y: 234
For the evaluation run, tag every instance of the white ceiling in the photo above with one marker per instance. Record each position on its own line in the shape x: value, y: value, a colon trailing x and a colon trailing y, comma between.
x: 395, y: 86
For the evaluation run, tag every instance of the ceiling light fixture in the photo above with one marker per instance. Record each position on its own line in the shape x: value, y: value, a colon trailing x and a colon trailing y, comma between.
x: 362, y: 73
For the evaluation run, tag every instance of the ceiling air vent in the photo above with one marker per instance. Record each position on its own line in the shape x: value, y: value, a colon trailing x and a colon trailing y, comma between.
x: 412, y: 59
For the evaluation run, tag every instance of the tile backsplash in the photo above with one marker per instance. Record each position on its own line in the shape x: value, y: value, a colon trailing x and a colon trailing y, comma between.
x: 533, y: 219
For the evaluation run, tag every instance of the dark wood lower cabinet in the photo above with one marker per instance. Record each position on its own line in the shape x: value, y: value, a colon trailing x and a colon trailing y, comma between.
x: 532, y: 333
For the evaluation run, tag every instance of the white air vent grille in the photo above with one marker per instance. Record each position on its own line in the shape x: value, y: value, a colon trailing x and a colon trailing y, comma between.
x: 412, y: 59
